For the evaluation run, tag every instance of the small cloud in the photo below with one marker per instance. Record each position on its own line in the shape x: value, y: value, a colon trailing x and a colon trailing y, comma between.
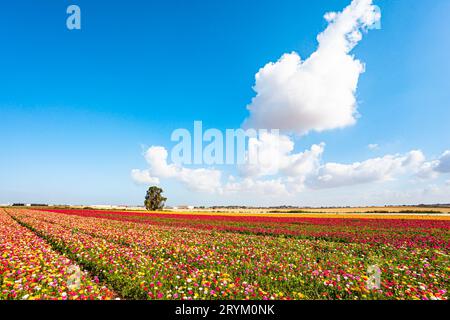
x: 143, y: 177
x: 444, y: 162
x: 275, y: 155
x: 273, y: 187
x: 332, y: 175
x: 203, y: 180
x: 372, y: 146
x: 431, y: 169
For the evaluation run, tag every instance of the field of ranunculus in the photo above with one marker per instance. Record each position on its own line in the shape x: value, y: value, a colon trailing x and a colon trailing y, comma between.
x: 137, y: 255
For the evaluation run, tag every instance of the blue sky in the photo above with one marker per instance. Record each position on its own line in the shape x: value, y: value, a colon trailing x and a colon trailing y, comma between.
x: 78, y: 108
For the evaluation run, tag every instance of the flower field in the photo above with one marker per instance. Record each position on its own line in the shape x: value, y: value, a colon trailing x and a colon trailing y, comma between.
x: 137, y: 255
x: 30, y: 269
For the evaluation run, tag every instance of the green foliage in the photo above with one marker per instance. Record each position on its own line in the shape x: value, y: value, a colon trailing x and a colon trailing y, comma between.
x: 154, y: 199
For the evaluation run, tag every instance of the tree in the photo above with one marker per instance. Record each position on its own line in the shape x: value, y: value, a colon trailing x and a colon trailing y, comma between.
x: 154, y: 199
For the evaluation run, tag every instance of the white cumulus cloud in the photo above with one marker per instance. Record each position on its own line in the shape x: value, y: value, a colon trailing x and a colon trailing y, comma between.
x: 318, y: 93
x: 332, y: 175
x: 143, y: 177
x: 274, y: 155
x: 201, y: 179
x: 431, y: 169
x: 273, y: 187
x: 443, y: 165
x: 293, y: 172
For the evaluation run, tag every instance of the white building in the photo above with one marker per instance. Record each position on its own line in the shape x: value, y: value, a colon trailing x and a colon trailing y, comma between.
x: 110, y: 207
x: 183, y: 207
